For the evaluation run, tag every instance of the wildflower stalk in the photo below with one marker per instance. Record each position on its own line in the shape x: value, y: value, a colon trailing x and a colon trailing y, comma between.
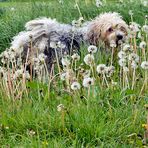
x: 88, y: 97
x: 73, y: 34
x: 77, y: 6
x: 133, y: 81
x: 75, y: 66
x: 144, y: 86
x: 112, y: 55
x: 31, y: 60
x: 50, y: 79
x: 135, y: 113
x: 144, y: 54
x: 104, y: 77
x: 121, y: 76
x: 10, y: 87
x: 63, y: 120
x: 127, y: 81
x: 57, y: 59
x: 91, y: 67
x: 135, y: 45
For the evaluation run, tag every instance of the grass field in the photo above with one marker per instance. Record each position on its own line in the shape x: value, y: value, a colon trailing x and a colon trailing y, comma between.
x: 105, y: 115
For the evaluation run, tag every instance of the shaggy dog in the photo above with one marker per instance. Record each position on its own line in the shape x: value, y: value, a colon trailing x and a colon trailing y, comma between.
x: 48, y: 36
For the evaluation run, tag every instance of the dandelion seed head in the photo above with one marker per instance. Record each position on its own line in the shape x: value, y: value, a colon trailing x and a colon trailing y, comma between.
x: 89, y: 59
x: 110, y: 70
x: 134, y: 65
x: 75, y: 86
x: 92, y: 49
x: 134, y: 28
x: 26, y: 75
x: 122, y: 62
x: 86, y: 73
x: 126, y: 48
x: 53, y: 45
x: 130, y: 12
x: 30, y: 132
x: 87, y: 82
x: 65, y: 62
x: 142, y: 44
x: 125, y: 69
x: 99, y: 3
x: 145, y: 3
x: 145, y: 29
x: 77, y: 23
x: 144, y: 65
x: 63, y: 76
x: 12, y: 9
x: 75, y: 57
x: 122, y: 54
x: 101, y: 68
x: 114, y: 83
x: 134, y: 57
x: 42, y: 57
x: 18, y: 74
x: 60, y: 107
x: 113, y: 44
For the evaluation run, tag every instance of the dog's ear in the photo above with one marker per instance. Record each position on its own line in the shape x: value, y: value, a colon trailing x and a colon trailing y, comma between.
x: 94, y: 34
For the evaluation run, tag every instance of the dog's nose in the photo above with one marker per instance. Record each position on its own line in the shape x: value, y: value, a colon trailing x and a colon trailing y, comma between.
x: 119, y: 37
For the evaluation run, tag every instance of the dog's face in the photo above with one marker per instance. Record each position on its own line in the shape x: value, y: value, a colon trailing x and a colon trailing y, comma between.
x: 109, y: 28
x: 113, y: 33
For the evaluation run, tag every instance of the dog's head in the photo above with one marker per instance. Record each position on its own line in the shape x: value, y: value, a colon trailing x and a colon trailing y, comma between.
x: 108, y: 27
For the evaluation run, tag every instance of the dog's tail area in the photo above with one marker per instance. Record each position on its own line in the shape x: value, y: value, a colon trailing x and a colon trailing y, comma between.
x: 39, y: 23
x: 36, y: 31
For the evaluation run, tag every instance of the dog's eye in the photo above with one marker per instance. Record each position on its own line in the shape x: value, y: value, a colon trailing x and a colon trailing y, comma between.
x: 123, y: 29
x: 110, y: 29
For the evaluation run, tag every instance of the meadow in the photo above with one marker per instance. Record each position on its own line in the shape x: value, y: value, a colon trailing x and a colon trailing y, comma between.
x: 64, y: 110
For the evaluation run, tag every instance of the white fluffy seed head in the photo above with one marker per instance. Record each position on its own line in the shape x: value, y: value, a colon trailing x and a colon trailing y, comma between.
x: 134, y: 57
x: 99, y: 3
x: 75, y: 86
x: 65, y: 61
x: 63, y: 76
x: 144, y: 65
x: 87, y: 82
x: 42, y: 57
x: 145, y: 29
x: 89, y: 59
x: 122, y: 62
x: 60, y: 107
x: 75, y: 57
x: 125, y: 69
x: 134, y: 27
x: 101, y: 68
x: 122, y: 54
x: 134, y: 65
x: 142, y: 44
x: 126, y: 48
x: 57, y: 45
x: 53, y: 45
x: 86, y: 73
x: 113, y: 44
x: 92, y: 49
x: 110, y: 70
x: 26, y: 75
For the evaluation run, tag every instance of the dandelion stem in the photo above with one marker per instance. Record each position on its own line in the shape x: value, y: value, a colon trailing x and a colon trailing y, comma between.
x: 57, y: 59
x: 133, y: 82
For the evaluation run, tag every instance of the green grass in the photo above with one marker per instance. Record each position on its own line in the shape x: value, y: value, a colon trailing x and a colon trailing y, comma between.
x: 108, y: 122
x: 113, y: 118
